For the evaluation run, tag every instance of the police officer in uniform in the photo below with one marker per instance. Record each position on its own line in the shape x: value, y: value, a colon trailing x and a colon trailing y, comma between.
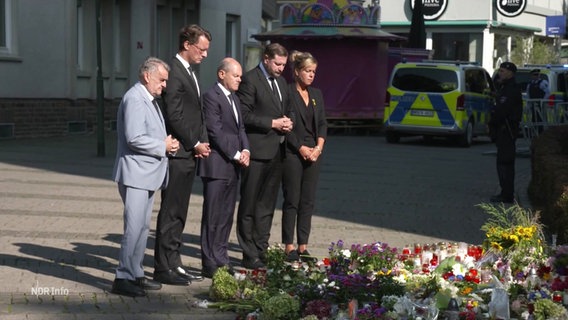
x: 537, y: 88
x: 504, y: 126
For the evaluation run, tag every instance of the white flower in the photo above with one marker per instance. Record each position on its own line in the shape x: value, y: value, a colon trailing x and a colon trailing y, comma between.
x: 458, y: 269
x: 346, y: 253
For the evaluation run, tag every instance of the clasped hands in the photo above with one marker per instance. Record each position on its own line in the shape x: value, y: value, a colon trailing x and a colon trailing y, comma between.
x: 310, y: 154
x: 202, y: 150
x: 283, y: 124
x: 244, y: 160
x: 172, y: 145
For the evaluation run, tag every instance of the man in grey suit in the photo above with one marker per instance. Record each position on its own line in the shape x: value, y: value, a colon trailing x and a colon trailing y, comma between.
x: 141, y: 168
x: 221, y: 170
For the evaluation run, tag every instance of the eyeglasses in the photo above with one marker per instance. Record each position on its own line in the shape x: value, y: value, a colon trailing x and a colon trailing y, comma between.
x: 200, y: 50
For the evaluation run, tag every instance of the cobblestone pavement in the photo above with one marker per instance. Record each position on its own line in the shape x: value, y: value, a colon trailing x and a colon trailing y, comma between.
x: 61, y: 218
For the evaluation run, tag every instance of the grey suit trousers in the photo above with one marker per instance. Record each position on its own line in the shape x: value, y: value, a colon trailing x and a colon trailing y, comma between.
x: 138, y: 204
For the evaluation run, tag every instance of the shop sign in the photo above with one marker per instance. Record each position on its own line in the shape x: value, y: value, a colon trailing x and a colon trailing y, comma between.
x: 432, y: 9
x: 555, y: 25
x: 511, y: 8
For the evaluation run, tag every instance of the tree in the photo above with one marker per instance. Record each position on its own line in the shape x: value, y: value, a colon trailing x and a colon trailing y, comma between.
x: 533, y: 51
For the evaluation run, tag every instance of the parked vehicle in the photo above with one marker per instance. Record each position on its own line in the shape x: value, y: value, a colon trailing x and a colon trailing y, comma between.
x: 438, y: 98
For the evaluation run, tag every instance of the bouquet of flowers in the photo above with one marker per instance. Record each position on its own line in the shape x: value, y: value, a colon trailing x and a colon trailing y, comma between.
x: 515, y: 234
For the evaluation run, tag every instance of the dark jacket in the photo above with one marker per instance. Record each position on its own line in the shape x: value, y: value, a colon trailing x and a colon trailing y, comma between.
x: 508, y: 107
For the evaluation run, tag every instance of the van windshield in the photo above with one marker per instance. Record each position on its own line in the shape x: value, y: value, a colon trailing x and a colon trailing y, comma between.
x: 425, y: 80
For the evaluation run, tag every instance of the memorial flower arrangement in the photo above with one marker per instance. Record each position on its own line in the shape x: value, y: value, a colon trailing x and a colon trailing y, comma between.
x: 515, y: 236
x: 376, y: 282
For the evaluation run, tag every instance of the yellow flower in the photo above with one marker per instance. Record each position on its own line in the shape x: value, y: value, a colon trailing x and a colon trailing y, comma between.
x: 496, y: 245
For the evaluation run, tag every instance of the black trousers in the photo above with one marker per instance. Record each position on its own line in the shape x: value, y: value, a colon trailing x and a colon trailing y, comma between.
x: 173, y: 214
x: 299, y: 183
x: 506, y: 151
x: 260, y: 183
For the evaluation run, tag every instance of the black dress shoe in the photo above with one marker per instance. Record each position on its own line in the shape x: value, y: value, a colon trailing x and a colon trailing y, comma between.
x: 184, y: 273
x: 148, y: 284
x: 170, y: 277
x: 127, y: 288
x: 255, y: 264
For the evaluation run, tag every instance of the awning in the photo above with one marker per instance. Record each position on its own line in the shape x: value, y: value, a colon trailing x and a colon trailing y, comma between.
x: 327, y: 32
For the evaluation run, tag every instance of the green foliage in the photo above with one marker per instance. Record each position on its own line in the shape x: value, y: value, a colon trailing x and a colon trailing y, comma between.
x: 224, y: 286
x: 281, y: 307
x: 547, y: 309
x: 540, y: 52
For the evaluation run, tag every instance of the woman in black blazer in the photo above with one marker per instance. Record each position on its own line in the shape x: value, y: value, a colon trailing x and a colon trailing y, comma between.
x: 304, y: 148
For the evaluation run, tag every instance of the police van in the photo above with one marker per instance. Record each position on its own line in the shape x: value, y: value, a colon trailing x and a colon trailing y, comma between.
x: 553, y: 109
x: 438, y: 98
x: 555, y: 75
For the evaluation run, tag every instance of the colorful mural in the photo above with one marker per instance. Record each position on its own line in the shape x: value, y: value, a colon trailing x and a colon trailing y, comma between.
x: 327, y: 12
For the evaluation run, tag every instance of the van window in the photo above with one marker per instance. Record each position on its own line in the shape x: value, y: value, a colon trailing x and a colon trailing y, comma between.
x: 425, y: 80
x: 475, y: 80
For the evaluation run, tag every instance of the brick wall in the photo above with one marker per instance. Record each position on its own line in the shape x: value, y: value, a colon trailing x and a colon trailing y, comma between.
x: 32, y: 118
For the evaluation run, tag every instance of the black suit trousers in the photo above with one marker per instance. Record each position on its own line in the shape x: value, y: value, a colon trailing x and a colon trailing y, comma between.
x: 299, y: 182
x: 260, y: 183
x: 173, y: 213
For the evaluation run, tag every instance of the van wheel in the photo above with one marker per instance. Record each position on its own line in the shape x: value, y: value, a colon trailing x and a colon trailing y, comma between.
x: 392, y: 137
x: 466, y: 138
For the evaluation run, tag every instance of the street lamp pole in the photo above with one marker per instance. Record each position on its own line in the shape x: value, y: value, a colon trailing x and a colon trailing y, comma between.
x: 100, y: 88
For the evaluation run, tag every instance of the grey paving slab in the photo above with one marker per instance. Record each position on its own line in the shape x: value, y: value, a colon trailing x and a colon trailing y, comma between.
x: 61, y: 218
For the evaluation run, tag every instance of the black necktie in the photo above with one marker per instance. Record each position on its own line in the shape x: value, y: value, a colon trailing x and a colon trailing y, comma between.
x: 233, y: 106
x: 155, y: 103
x: 274, y: 88
x: 193, y: 79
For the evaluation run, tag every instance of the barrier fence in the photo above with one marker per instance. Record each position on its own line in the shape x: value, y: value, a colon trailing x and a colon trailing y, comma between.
x: 540, y: 114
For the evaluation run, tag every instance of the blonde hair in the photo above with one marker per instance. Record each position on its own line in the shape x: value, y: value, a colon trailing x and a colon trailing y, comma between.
x: 301, y: 60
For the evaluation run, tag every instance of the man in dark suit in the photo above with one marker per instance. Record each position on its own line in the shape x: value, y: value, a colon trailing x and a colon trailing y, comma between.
x: 184, y: 121
x: 221, y: 170
x: 264, y: 102
x: 140, y: 168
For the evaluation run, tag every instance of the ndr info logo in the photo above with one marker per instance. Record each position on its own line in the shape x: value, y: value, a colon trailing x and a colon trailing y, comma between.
x: 49, y: 291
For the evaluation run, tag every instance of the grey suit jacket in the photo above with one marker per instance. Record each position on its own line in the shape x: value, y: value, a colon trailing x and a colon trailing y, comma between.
x: 226, y: 136
x: 141, y: 160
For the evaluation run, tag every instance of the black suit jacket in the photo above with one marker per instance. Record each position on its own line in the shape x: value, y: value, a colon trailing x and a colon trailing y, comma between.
x: 226, y: 137
x: 297, y: 137
x: 182, y: 110
x: 259, y: 107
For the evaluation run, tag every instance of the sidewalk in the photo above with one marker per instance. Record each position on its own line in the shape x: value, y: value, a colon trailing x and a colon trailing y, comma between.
x: 61, y: 218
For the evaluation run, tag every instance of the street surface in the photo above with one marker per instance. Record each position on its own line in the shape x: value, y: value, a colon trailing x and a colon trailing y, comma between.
x: 61, y: 218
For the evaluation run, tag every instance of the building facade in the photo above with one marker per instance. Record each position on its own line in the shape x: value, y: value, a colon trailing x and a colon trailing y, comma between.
x: 49, y: 54
x: 483, y: 31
